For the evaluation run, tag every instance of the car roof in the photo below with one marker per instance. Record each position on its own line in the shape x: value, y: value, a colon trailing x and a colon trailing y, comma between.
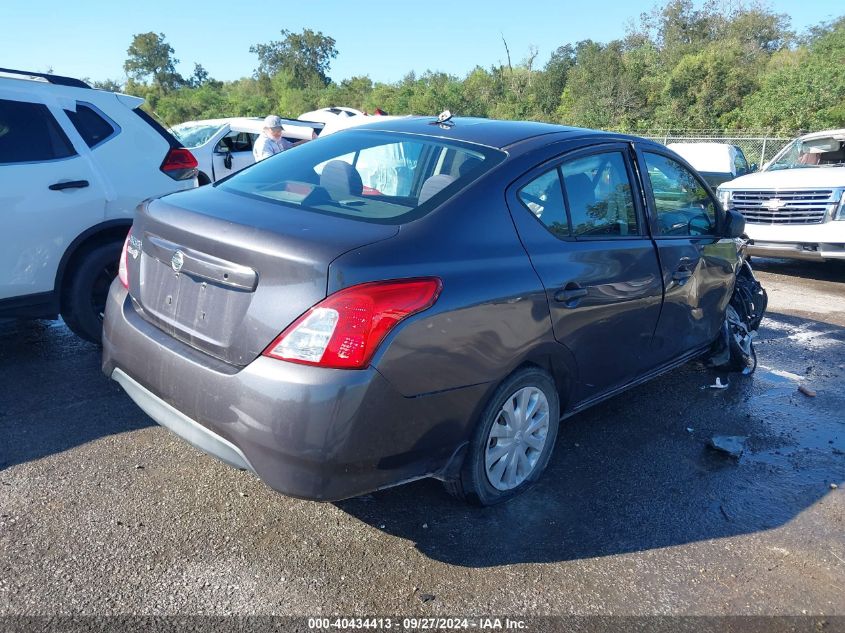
x: 248, y: 122
x: 823, y: 134
x: 490, y: 132
x: 252, y: 124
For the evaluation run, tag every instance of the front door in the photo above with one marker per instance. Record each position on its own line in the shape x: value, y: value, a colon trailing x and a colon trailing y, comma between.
x: 232, y: 153
x: 697, y: 265
x: 585, y: 234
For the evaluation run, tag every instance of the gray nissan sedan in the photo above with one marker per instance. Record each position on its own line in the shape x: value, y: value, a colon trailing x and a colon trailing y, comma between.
x: 417, y: 298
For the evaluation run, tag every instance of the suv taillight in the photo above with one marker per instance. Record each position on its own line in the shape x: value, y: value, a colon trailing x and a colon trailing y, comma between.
x: 179, y: 164
x: 344, y: 330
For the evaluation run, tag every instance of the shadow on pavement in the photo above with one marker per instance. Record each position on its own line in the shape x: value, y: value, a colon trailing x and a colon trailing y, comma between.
x: 819, y: 271
x: 635, y: 472
x: 631, y: 474
x: 53, y: 395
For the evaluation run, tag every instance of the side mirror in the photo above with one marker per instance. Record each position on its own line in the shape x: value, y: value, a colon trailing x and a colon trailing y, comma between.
x: 734, y: 224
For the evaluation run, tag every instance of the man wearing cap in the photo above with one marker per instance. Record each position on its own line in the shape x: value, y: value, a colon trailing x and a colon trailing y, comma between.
x: 270, y: 141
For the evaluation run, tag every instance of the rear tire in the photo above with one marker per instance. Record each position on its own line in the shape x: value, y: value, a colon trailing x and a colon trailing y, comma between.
x: 504, y: 461
x: 85, y: 293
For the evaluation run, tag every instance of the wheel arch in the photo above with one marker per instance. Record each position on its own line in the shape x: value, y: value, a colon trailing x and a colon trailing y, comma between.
x: 554, y: 359
x: 103, y: 233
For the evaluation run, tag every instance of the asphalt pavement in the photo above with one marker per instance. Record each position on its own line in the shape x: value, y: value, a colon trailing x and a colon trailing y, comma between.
x: 103, y: 512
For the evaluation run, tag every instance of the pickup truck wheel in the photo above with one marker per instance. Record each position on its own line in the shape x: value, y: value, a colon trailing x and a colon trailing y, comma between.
x: 84, y: 297
x: 513, y: 441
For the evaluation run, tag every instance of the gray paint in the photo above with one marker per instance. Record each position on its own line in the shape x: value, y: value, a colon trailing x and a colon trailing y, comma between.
x: 327, y: 434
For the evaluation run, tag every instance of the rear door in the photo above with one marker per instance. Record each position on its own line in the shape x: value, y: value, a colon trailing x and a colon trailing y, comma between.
x: 585, y: 233
x: 49, y: 193
x: 696, y: 264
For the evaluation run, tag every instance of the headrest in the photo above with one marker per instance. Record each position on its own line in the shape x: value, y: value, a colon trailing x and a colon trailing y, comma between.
x: 341, y: 179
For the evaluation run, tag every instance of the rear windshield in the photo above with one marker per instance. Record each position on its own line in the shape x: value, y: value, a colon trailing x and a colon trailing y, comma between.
x: 374, y: 176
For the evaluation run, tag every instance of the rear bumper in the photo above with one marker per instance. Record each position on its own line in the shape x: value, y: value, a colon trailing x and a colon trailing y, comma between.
x: 307, y: 432
x: 814, y: 242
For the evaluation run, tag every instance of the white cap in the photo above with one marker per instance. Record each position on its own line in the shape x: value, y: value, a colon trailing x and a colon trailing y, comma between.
x: 272, y: 121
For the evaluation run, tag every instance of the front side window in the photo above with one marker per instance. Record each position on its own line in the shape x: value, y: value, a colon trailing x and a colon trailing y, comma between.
x: 93, y: 127
x: 30, y: 133
x: 373, y: 176
x: 682, y: 205
x: 236, y: 142
x: 598, y: 193
x: 543, y: 196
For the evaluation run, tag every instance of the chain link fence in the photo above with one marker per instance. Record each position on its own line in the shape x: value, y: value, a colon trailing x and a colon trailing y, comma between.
x: 758, y: 148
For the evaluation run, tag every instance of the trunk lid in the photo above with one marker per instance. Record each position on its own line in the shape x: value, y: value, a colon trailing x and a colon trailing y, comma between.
x: 225, y: 273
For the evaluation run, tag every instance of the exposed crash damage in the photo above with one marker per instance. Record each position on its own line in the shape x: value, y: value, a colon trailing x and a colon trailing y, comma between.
x: 734, y: 348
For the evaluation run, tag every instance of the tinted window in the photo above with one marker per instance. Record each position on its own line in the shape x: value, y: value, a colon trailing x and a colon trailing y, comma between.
x: 740, y: 164
x: 598, y: 193
x: 682, y: 204
x: 92, y: 127
x: 372, y: 176
x: 30, y: 133
x: 544, y: 198
x: 236, y: 142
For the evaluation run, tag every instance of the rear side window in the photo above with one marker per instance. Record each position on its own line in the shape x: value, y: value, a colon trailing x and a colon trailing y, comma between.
x: 543, y: 196
x: 372, y: 176
x: 598, y: 193
x: 29, y: 133
x: 93, y: 127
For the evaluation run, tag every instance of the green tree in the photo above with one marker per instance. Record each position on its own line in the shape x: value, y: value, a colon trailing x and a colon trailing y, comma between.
x: 802, y: 89
x: 552, y: 81
x: 110, y: 85
x: 306, y: 57
x: 151, y: 57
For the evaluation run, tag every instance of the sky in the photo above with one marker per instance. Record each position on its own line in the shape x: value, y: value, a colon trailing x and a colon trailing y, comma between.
x: 384, y: 41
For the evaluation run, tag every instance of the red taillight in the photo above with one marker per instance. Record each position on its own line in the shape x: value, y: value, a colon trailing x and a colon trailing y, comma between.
x: 344, y: 330
x: 122, y: 270
x: 179, y: 164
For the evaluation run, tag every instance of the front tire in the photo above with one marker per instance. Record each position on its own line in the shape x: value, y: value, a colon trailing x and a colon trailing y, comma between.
x: 513, y: 441
x: 84, y: 297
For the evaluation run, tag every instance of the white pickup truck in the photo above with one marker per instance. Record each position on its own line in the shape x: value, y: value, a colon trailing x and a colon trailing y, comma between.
x: 794, y: 206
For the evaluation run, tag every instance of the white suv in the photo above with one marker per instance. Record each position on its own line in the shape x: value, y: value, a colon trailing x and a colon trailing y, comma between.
x: 795, y: 206
x: 74, y: 164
